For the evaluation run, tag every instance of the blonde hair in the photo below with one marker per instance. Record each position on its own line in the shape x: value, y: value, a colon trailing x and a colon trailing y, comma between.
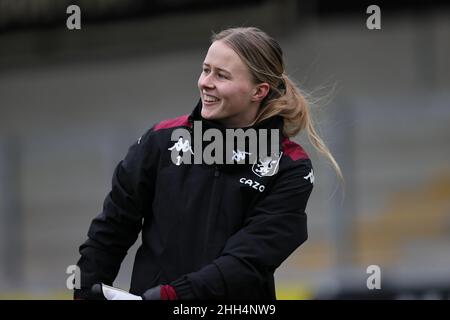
x: 264, y: 57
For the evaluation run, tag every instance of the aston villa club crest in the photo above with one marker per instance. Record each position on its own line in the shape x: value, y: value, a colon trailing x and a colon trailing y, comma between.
x: 266, y: 167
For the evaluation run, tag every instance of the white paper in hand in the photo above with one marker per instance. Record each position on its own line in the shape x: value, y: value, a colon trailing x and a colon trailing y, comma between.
x: 112, y: 293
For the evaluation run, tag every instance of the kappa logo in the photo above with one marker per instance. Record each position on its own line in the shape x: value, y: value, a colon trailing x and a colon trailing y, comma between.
x: 183, y: 146
x: 310, y: 176
x: 239, y: 155
x: 268, y: 166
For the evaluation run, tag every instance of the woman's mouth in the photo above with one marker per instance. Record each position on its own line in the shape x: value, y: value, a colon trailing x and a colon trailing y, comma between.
x: 208, y: 99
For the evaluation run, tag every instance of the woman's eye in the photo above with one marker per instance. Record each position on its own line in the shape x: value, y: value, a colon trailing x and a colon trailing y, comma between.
x: 219, y: 75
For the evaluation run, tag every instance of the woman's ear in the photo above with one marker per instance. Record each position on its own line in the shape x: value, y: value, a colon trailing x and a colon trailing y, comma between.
x: 261, y: 91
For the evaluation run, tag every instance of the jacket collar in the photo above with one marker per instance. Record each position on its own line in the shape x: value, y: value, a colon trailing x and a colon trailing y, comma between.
x: 275, y: 122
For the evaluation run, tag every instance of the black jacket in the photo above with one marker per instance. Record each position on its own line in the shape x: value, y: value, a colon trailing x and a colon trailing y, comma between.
x: 211, y: 231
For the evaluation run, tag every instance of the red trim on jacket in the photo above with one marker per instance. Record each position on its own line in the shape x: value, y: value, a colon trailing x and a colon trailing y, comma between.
x: 170, y: 123
x: 293, y: 150
x: 168, y: 293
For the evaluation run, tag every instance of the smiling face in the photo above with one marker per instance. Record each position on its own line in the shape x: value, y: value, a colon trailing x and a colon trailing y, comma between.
x: 227, y: 90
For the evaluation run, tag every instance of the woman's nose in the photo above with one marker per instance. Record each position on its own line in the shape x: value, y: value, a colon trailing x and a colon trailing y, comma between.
x: 206, y: 81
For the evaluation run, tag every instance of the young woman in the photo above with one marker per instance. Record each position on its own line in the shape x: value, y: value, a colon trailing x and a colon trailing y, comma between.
x: 212, y: 230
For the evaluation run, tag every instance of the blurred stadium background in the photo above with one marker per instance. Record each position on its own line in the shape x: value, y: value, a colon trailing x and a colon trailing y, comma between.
x: 71, y: 102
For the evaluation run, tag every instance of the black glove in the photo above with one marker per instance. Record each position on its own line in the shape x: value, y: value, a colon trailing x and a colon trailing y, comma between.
x: 152, y: 293
x: 93, y: 293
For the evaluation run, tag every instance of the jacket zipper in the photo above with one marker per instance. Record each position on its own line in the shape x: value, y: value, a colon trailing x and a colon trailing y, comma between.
x: 216, y: 171
x: 212, y: 210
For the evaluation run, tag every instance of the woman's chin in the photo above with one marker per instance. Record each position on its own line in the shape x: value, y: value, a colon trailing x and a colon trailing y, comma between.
x: 208, y: 114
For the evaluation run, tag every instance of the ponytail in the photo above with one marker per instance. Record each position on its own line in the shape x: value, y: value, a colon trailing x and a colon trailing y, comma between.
x: 291, y: 104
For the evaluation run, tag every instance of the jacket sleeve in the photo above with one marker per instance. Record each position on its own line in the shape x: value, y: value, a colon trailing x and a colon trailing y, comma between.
x: 271, y: 232
x: 116, y: 228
